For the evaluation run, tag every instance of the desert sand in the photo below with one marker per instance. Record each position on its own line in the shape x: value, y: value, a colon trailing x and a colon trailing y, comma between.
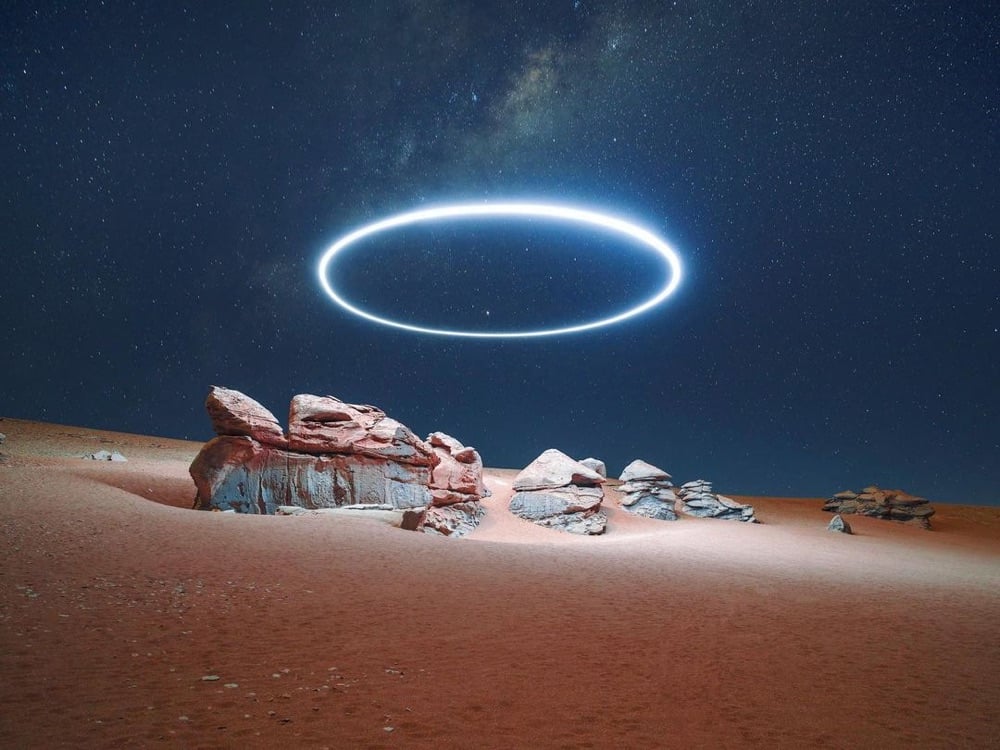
x: 129, y: 620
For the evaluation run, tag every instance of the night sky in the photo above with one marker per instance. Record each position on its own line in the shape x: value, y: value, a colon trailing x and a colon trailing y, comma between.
x: 170, y: 174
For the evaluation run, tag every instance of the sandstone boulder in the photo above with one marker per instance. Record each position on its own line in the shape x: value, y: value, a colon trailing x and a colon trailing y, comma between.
x: 557, y: 492
x: 235, y: 413
x: 894, y: 505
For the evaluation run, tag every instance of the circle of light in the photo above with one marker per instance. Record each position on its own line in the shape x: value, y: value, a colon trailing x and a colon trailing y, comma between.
x: 543, y: 210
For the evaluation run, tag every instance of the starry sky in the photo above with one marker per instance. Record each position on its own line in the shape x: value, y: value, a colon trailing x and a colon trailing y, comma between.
x: 828, y: 172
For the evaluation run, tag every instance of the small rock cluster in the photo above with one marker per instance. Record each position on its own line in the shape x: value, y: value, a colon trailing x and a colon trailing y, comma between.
x: 559, y: 492
x: 699, y: 500
x: 894, y: 505
x: 647, y: 491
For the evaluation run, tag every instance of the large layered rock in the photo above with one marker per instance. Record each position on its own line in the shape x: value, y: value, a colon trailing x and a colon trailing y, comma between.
x: 335, y: 455
x: 558, y: 492
x: 699, y: 500
x: 894, y: 505
x: 647, y: 491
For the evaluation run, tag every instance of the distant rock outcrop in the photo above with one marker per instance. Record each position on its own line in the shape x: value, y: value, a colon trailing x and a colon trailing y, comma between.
x: 699, y: 500
x: 556, y: 491
x: 648, y: 491
x: 334, y: 455
x: 894, y: 505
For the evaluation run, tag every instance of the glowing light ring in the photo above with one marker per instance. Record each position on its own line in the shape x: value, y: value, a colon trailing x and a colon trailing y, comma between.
x: 540, y: 210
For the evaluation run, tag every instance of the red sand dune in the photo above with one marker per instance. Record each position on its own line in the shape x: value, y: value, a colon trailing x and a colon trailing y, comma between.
x: 117, y: 601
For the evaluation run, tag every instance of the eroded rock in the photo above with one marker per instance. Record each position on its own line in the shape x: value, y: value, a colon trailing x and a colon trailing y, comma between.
x: 558, y: 492
x: 647, y: 490
x: 348, y: 457
x: 700, y: 501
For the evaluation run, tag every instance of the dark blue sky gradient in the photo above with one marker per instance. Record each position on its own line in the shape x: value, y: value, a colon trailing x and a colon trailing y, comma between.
x: 828, y: 171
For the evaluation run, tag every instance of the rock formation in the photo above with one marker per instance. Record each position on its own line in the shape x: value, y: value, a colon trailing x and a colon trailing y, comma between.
x: 894, y: 505
x: 560, y: 493
x: 699, y: 500
x: 334, y: 455
x: 647, y: 491
x: 456, y: 488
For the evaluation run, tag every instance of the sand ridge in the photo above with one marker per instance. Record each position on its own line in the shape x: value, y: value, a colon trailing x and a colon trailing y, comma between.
x: 116, y: 600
